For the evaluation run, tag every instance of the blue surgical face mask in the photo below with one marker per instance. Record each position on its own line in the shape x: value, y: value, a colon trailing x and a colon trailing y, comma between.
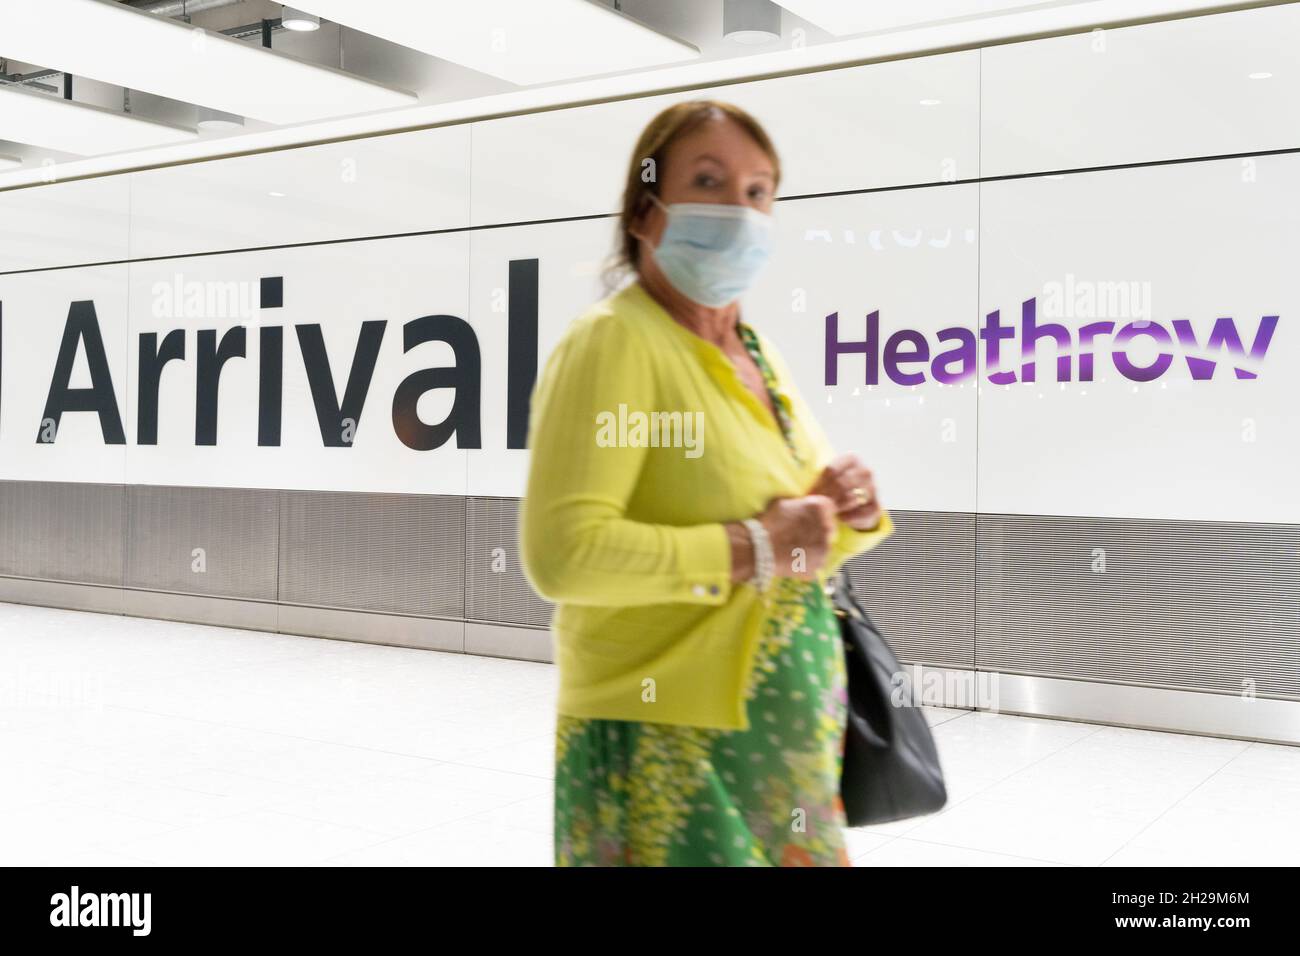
x: 711, y: 252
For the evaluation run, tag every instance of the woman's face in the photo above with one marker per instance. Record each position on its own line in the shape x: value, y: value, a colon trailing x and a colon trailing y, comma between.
x: 718, y: 161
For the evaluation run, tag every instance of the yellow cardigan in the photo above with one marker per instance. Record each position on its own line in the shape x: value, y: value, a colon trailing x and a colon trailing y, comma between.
x: 622, y: 521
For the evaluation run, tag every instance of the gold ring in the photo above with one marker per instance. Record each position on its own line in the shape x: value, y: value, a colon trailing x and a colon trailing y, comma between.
x: 861, y: 494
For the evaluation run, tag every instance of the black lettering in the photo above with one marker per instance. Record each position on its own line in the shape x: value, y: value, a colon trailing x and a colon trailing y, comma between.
x: 152, y: 362
x: 465, y: 377
x: 330, y: 415
x: 100, y: 397
x: 208, y: 389
x: 521, y: 356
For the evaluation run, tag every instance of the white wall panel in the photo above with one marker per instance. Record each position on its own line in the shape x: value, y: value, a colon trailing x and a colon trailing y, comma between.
x: 1208, y: 239
x: 912, y: 257
x: 569, y: 257
x: 557, y: 163
x: 1197, y: 242
x: 849, y: 128
x: 65, y: 223
x: 1157, y: 91
x: 35, y: 308
x: 338, y: 287
x: 867, y: 126
x: 405, y: 182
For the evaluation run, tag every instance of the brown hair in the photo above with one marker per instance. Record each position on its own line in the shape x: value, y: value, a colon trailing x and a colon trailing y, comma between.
x: 651, y: 147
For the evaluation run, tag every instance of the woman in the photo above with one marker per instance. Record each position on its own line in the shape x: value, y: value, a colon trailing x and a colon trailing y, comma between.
x: 683, y: 511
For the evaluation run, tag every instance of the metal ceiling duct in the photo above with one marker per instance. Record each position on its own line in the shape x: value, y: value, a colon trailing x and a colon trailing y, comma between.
x: 179, y: 8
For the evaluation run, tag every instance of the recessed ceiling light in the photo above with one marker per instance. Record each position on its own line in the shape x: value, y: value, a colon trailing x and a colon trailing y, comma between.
x: 292, y: 19
x: 751, y: 21
x: 211, y: 120
x: 276, y: 194
x: 1260, y: 76
x: 931, y: 102
x: 10, y: 162
x: 751, y: 37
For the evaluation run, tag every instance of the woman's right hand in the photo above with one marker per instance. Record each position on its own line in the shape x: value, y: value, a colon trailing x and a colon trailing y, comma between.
x: 801, y: 531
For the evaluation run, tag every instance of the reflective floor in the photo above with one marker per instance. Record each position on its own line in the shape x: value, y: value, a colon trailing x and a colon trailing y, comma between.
x: 134, y: 742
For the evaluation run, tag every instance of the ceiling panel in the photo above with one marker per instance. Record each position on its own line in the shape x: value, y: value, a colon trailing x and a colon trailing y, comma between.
x: 116, y: 44
x: 522, y: 41
x: 842, y: 18
x: 41, y: 119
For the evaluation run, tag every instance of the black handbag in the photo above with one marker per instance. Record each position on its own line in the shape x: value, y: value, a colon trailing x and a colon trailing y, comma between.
x: 891, y: 766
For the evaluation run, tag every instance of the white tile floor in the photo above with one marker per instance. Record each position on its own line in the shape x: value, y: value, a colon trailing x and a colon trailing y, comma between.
x: 133, y: 742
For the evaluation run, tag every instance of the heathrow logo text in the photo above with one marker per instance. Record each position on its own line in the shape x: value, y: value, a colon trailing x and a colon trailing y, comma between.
x: 906, y: 354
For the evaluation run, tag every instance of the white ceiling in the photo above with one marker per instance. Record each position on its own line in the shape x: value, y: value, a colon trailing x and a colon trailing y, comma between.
x: 521, y: 41
x: 79, y: 128
x: 841, y: 18
x: 402, y: 63
x: 116, y: 44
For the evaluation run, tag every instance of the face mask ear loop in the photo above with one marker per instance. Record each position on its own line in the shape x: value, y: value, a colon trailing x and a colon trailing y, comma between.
x: 657, y: 200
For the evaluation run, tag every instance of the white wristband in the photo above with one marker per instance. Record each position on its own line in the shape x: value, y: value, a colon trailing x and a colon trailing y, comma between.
x: 764, y: 563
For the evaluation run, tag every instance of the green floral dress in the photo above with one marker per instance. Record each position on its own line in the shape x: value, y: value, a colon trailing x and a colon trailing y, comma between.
x: 637, y: 793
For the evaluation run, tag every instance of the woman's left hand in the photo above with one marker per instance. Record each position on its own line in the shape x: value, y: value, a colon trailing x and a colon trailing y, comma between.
x: 849, y: 483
